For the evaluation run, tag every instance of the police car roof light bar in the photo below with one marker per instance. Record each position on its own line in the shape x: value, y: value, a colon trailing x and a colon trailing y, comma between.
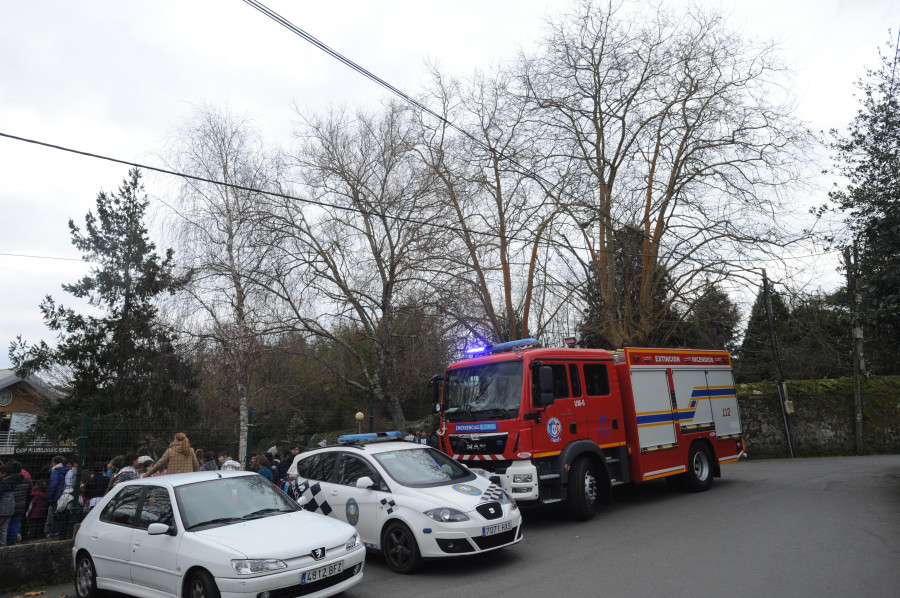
x: 369, y: 437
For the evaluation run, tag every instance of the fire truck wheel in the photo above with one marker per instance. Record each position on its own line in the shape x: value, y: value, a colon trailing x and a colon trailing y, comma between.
x: 400, y: 549
x: 700, y: 470
x: 582, y: 499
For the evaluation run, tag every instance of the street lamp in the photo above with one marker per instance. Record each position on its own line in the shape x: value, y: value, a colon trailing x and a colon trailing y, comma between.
x: 360, y: 416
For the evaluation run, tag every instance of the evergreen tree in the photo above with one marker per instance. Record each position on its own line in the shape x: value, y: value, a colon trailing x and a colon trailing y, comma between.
x: 628, y: 319
x: 869, y: 157
x: 120, y: 360
x: 754, y: 361
x: 712, y: 322
x: 817, y: 342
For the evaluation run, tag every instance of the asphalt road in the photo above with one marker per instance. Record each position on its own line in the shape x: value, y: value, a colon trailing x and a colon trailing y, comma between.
x: 804, y: 527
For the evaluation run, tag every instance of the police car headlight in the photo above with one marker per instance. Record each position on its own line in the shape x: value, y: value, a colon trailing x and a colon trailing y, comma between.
x: 446, y: 514
x: 505, y: 499
x: 353, y: 542
x: 251, y: 566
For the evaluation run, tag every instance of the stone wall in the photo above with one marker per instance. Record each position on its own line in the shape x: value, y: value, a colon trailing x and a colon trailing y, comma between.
x: 824, y: 420
x: 34, y: 564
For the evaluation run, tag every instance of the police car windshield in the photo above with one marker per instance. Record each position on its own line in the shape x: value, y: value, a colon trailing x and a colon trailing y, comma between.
x: 486, y: 391
x: 422, y: 467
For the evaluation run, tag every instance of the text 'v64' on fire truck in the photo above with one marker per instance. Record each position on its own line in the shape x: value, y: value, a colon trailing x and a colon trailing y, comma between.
x: 567, y: 424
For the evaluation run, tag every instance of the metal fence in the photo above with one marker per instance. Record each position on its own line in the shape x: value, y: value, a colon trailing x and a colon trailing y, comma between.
x: 103, y: 439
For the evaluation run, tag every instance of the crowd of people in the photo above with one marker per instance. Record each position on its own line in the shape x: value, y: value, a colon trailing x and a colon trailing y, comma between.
x: 32, y: 509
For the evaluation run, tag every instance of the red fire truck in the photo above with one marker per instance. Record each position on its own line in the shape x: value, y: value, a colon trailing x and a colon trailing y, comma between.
x: 568, y: 424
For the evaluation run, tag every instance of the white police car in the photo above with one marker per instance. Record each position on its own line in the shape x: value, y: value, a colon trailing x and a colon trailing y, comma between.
x: 408, y: 500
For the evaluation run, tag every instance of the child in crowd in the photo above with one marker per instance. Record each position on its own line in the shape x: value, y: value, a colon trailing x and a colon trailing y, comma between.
x: 37, y: 512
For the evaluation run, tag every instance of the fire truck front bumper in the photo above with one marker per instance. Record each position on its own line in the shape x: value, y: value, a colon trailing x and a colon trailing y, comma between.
x: 521, y: 481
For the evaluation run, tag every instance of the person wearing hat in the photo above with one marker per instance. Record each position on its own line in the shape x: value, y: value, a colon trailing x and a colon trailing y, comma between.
x: 144, y: 463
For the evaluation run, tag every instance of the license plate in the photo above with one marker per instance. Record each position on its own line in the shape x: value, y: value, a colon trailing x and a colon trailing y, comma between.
x: 490, y: 530
x: 321, y: 572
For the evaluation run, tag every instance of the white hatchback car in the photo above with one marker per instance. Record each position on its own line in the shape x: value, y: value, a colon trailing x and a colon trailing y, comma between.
x: 408, y: 500
x: 212, y: 534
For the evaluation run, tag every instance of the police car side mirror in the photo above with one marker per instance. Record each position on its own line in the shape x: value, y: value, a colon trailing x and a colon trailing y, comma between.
x: 365, y: 482
x: 302, y: 501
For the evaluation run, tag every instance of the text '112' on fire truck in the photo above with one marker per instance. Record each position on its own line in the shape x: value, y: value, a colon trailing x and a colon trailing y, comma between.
x: 567, y: 424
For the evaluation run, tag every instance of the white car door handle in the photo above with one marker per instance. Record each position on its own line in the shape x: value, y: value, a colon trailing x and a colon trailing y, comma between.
x: 138, y: 543
x: 334, y: 493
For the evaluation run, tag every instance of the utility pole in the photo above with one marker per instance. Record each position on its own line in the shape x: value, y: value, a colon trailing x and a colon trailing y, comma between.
x: 859, y: 364
x: 787, y: 407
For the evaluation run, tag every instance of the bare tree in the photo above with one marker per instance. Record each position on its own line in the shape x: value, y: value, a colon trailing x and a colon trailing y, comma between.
x: 348, y: 264
x: 671, y: 125
x: 216, y: 225
x: 498, y: 283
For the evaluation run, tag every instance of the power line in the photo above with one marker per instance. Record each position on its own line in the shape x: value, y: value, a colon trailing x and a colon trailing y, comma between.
x: 248, y: 189
x: 396, y: 91
x: 458, y: 229
x: 611, y: 221
x: 409, y: 99
x: 42, y: 257
x: 277, y: 194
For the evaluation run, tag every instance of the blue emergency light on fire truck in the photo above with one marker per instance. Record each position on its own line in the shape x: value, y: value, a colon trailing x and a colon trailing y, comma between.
x: 568, y: 424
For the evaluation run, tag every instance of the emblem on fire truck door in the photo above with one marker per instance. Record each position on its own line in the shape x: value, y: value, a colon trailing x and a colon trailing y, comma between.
x: 554, y: 429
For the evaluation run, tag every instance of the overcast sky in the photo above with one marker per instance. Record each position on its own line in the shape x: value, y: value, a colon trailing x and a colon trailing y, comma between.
x: 116, y: 78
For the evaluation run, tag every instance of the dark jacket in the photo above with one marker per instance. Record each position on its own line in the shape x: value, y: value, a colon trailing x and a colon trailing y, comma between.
x: 8, y: 494
x: 57, y: 482
x: 95, y: 487
x: 283, y: 467
x: 22, y: 493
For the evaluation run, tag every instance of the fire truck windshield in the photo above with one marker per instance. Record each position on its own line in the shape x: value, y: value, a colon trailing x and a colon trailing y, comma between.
x: 485, y: 391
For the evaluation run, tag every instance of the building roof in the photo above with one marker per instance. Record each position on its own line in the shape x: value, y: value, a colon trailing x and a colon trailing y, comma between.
x: 8, y: 378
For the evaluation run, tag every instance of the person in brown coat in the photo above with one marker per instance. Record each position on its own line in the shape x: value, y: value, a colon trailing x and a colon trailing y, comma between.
x: 178, y: 458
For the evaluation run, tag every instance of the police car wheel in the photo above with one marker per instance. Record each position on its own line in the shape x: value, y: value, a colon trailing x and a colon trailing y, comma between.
x: 582, y: 499
x: 700, y: 469
x: 400, y: 548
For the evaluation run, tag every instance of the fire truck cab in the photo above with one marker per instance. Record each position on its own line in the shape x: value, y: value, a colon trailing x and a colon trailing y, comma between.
x: 567, y: 424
